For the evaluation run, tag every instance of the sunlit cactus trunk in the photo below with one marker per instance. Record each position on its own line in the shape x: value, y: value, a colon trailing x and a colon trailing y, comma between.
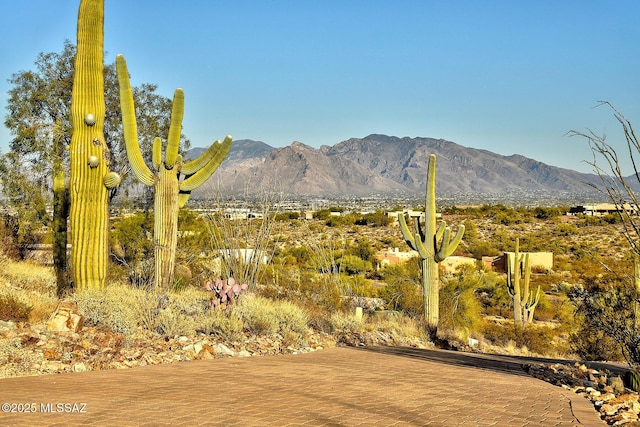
x: 89, y: 197
x: 431, y: 292
x: 165, y: 234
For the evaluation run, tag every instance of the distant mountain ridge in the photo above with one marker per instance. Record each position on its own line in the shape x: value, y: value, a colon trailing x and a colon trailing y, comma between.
x: 381, y: 164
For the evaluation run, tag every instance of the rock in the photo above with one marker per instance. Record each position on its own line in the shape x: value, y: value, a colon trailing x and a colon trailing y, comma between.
x: 207, y: 352
x: 616, y: 383
x: 8, y: 329
x: 66, y: 318
x: 80, y: 367
x: 223, y: 350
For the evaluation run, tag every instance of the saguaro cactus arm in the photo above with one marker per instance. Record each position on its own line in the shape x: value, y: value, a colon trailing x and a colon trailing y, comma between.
x: 216, y: 156
x: 195, y: 165
x: 175, y: 129
x: 130, y: 127
x: 156, y: 153
x: 409, y: 237
x: 448, y: 247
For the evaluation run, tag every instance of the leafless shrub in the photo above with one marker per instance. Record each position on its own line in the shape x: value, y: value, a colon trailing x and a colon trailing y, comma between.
x: 240, y: 232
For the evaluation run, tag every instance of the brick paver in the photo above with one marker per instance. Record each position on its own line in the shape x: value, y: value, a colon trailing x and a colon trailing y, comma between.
x: 334, y: 387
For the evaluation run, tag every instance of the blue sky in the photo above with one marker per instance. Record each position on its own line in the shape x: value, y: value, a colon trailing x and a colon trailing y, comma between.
x: 505, y: 76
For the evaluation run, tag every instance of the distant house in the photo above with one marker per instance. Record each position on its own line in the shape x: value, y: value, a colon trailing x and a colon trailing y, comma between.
x: 393, y: 215
x: 600, y: 209
x: 393, y: 256
x: 246, y: 255
x: 537, y: 260
x: 495, y: 263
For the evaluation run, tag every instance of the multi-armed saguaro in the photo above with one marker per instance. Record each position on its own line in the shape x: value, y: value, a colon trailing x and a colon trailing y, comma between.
x: 433, y: 245
x: 170, y: 192
x: 524, y: 300
x: 90, y: 179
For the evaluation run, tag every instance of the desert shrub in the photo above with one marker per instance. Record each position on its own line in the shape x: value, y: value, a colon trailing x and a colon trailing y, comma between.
x: 29, y: 292
x: 300, y: 254
x: 607, y: 324
x: 287, y: 216
x: 612, y: 218
x: 131, y: 237
x: 123, y: 309
x: 171, y: 322
x: 459, y: 307
x: 547, y: 213
x: 119, y: 308
x: 352, y: 264
x: 375, y: 219
x: 478, y: 249
x: 322, y: 214
x: 225, y: 325
x: 566, y: 230
x: 589, y: 343
x: 340, y: 221
x: 377, y: 329
x: 540, y: 340
x: 345, y: 322
x: 358, y: 286
x: 403, y: 291
x: 364, y: 250
x: 261, y: 316
x: 13, y: 308
x: 493, y: 295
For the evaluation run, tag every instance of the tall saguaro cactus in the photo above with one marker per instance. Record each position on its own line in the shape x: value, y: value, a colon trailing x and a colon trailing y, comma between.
x: 518, y: 277
x: 90, y: 178
x: 171, y: 192
x: 433, y: 244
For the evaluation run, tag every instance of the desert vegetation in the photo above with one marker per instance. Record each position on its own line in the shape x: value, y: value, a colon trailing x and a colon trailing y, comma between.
x: 318, y: 272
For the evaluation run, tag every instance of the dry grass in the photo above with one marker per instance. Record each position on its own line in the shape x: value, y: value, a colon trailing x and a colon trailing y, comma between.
x: 124, y: 309
x: 26, y: 291
x: 28, y: 275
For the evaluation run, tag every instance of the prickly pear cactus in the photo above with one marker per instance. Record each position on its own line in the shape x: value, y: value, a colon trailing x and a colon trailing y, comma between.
x: 89, y: 213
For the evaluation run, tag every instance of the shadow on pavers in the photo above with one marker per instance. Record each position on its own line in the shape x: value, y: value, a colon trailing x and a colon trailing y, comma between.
x: 493, y: 362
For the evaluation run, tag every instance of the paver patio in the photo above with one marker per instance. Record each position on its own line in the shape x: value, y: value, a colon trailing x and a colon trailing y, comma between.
x: 334, y: 387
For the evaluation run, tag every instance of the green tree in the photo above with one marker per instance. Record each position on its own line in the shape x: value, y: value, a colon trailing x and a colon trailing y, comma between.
x: 29, y: 207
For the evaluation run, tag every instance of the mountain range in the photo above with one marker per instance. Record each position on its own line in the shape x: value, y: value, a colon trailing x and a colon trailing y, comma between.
x: 384, y: 165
